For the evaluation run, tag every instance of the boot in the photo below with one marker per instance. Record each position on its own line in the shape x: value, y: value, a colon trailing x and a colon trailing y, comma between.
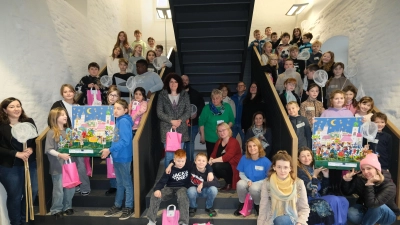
x: 240, y: 207
x: 256, y: 208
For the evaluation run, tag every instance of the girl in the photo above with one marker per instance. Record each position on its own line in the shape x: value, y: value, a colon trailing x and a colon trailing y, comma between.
x: 138, y: 107
x: 320, y: 203
x: 121, y: 152
x: 272, y: 67
x: 150, y: 56
x: 283, y: 195
x: 351, y: 102
x: 326, y: 63
x: 337, y: 108
x: 136, y: 55
x: 225, y: 97
x: 267, y: 51
x: 364, y: 108
x: 311, y: 107
x: 253, y: 169
x: 296, y: 37
x: 338, y: 81
x: 376, y: 192
x: 122, y: 43
x: 259, y: 130
x: 56, y: 138
x: 113, y: 61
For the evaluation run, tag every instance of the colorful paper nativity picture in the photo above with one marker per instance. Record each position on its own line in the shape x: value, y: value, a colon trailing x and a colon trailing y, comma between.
x: 337, y: 143
x: 92, y: 130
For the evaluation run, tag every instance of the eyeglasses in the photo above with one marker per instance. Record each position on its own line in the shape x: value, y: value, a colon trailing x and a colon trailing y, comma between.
x: 114, y: 96
x: 222, y: 130
x: 274, y: 59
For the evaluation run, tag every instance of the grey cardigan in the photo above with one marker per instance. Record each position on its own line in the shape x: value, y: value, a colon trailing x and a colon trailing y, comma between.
x: 166, y: 113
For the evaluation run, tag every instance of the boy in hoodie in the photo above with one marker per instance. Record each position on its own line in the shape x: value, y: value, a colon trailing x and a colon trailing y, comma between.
x: 258, y: 42
x: 162, y: 58
x: 288, y: 94
x: 300, y: 125
x: 315, y: 55
x: 91, y: 81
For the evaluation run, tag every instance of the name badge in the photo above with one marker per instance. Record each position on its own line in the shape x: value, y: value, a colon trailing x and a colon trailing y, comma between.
x: 310, y: 108
x: 376, y: 141
x: 302, y: 124
x: 219, y: 121
x: 333, y: 86
x: 259, y: 168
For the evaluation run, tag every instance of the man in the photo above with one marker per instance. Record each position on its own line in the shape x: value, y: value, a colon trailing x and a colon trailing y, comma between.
x: 238, y: 99
x: 197, y: 100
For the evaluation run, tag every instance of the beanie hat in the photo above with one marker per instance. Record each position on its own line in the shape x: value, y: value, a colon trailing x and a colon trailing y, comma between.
x: 372, y: 160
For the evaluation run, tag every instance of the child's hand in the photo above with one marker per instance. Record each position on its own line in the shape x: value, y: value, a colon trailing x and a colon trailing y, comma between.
x: 210, y: 177
x: 366, y: 147
x: 90, y: 85
x: 325, y: 172
x: 313, y: 120
x: 317, y: 171
x: 63, y: 156
x: 262, y: 36
x: 29, y: 151
x: 373, y: 180
x: 210, y: 161
x: 364, y: 119
x: 163, y: 65
x: 104, y: 153
x: 157, y: 194
x: 199, y: 188
x: 96, y: 87
x: 249, y: 183
x: 255, y: 44
x: 168, y: 169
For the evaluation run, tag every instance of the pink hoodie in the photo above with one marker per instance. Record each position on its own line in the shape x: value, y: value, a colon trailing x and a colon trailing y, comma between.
x: 137, y: 111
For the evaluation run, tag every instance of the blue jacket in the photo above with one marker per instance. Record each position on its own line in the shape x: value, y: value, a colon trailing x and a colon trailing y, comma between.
x: 121, y: 147
x: 239, y: 106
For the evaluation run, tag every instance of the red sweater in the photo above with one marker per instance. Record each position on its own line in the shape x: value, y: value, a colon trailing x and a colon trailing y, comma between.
x: 232, y: 156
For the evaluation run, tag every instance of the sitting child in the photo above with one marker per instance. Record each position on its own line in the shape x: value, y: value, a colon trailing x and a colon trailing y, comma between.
x: 137, y: 107
x: 162, y: 58
x: 122, y: 77
x: 312, y: 107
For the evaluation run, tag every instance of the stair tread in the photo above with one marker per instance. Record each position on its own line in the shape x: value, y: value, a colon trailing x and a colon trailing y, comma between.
x: 213, y: 50
x: 212, y: 36
x: 187, y: 63
x: 213, y: 21
x: 211, y: 4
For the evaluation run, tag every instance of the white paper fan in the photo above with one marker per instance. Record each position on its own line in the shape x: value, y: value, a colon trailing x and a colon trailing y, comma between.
x: 157, y: 63
x: 320, y: 77
x: 369, y: 130
x: 351, y: 71
x: 304, y: 55
x: 24, y: 131
x: 106, y: 81
x: 193, y: 109
x: 131, y: 84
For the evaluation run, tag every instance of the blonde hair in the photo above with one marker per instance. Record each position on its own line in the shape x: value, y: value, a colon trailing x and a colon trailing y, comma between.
x: 269, y: 60
x: 215, y: 92
x: 284, y: 156
x: 53, y: 117
x: 200, y: 154
x: 226, y: 126
x: 292, y: 103
x: 318, y: 43
x: 123, y: 60
x: 265, y: 46
x: 261, y: 152
x: 255, y: 32
x: 366, y: 99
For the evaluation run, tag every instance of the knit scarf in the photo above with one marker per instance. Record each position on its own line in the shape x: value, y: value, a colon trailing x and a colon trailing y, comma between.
x: 283, y: 196
x: 290, y: 97
x: 215, y: 111
x: 259, y: 133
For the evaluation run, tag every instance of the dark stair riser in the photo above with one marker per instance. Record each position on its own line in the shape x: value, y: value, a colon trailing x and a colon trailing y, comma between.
x: 219, y: 203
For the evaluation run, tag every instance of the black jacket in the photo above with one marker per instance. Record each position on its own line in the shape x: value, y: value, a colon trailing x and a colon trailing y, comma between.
x: 272, y: 70
x: 83, y: 87
x: 303, y: 130
x: 249, y: 108
x: 197, y: 100
x: 282, y: 97
x: 383, y: 148
x: 372, y: 196
x: 60, y: 104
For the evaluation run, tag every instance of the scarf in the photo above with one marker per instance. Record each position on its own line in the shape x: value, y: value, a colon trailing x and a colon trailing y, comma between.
x: 215, y: 111
x: 290, y: 97
x: 259, y: 133
x: 283, y: 196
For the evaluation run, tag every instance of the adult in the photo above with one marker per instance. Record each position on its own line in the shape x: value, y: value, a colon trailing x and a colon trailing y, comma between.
x: 253, y: 169
x: 197, y: 100
x: 215, y: 113
x: 260, y: 130
x: 238, y: 99
x: 376, y: 192
x: 13, y: 156
x: 272, y: 67
x: 173, y: 109
x: 112, y: 62
x: 150, y: 81
x: 123, y: 44
x: 251, y: 104
x: 283, y: 195
x: 225, y: 157
x: 225, y: 97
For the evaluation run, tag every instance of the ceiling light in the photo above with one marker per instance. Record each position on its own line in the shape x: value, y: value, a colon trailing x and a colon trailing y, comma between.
x: 296, y: 9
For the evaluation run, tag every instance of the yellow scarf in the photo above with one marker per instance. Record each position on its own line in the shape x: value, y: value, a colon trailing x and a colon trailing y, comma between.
x: 283, y: 196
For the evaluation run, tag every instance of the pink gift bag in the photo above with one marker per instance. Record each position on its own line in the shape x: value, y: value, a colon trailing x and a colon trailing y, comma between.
x: 110, y: 168
x: 93, y: 97
x: 170, y: 216
x: 88, y: 167
x: 173, y: 141
x: 248, y: 205
x: 70, y: 176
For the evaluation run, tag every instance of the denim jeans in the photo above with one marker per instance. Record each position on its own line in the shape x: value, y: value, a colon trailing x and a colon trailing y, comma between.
x: 13, y: 180
x: 208, y: 192
x: 169, y: 156
x: 283, y: 220
x: 113, y: 182
x: 83, y: 177
x: 189, y: 146
x: 62, y: 197
x: 124, y: 184
x: 382, y: 215
x: 237, y: 129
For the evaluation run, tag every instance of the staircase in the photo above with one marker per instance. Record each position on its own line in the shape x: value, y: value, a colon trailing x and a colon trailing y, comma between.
x: 211, y: 38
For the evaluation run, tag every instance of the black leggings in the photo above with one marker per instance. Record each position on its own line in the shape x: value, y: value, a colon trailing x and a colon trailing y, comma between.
x: 223, y: 170
x: 209, y: 148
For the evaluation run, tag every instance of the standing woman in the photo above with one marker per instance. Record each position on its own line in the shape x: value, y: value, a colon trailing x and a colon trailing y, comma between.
x: 214, y: 113
x: 283, y: 195
x: 113, y: 62
x: 251, y: 104
x: 173, y: 109
x: 12, y: 157
x: 122, y: 43
x: 225, y: 97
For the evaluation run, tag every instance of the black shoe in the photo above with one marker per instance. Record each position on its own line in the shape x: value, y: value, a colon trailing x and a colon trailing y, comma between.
x: 112, y: 211
x: 211, y: 212
x: 256, y: 208
x: 69, y: 212
x: 192, y: 212
x: 240, y: 207
x: 58, y: 215
x: 111, y: 191
x: 126, y: 213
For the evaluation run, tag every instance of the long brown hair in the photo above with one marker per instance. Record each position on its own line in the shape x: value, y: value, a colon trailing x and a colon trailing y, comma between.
x: 118, y: 43
x: 327, y: 67
x: 301, y: 165
x: 3, y: 115
x: 284, y: 156
x: 354, y: 90
x: 53, y: 117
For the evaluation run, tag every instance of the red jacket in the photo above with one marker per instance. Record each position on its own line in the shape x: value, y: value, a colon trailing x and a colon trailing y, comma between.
x: 232, y: 156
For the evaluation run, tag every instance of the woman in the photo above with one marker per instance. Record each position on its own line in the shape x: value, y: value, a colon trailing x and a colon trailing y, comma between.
x: 173, y: 109
x: 251, y: 104
x: 253, y: 169
x: 283, y: 195
x: 324, y: 209
x: 215, y: 113
x: 225, y: 97
x: 272, y: 67
x: 113, y: 62
x: 13, y: 156
x: 123, y: 44
x: 376, y: 192
x: 259, y: 130
x: 225, y: 157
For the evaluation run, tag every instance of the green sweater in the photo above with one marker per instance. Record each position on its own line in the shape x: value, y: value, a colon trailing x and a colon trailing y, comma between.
x: 210, y: 121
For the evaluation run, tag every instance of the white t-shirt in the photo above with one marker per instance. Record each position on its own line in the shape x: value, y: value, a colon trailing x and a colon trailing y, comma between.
x: 69, y: 109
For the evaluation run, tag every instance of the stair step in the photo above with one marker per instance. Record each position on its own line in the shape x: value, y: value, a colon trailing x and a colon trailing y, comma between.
x: 182, y: 3
x: 212, y: 44
x: 213, y: 21
x: 188, y: 30
x: 96, y: 198
x: 215, y: 69
x: 214, y: 12
x: 216, y: 77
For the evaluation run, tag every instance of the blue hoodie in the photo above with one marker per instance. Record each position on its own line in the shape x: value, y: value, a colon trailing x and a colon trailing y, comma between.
x: 121, y: 148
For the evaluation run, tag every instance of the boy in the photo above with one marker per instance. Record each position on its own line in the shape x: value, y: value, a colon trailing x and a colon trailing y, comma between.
x: 151, y: 44
x: 91, y: 81
x: 275, y: 40
x: 268, y: 32
x: 120, y: 78
x: 316, y: 55
x: 300, y: 125
x: 306, y: 43
x: 150, y: 81
x: 311, y: 107
x: 138, y: 35
x: 284, y: 54
x: 308, y: 80
x: 299, y: 65
x: 289, y: 73
x: 172, y: 185
x: 166, y: 63
x: 288, y: 94
x: 258, y: 42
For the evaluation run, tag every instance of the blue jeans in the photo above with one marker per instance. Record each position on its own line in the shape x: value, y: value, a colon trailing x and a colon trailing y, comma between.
x: 283, y: 220
x: 189, y: 146
x: 62, y: 197
x: 169, y: 156
x: 124, y: 184
x: 113, y: 182
x: 208, y: 192
x: 13, y: 180
x: 382, y: 215
x: 237, y: 129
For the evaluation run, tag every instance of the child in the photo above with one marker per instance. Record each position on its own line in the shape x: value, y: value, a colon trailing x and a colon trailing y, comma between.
x: 91, y: 81
x: 172, y: 185
x: 267, y: 51
x: 339, y: 81
x: 275, y: 40
x: 299, y: 65
x: 123, y: 44
x: 151, y: 44
x: 337, y: 108
x: 268, y: 32
x: 308, y: 80
x: 122, y: 76
x: 284, y: 54
x: 112, y: 62
x: 296, y: 37
x: 150, y: 56
x: 315, y: 55
x: 121, y: 152
x: 271, y: 67
x: 351, y: 102
x: 138, y: 107
x: 288, y: 94
x: 56, y: 138
x: 312, y: 107
x: 364, y: 108
x: 162, y: 58
x: 258, y: 42
x: 306, y: 45
x: 326, y: 63
x: 300, y: 125
x: 138, y: 35
x: 150, y: 81
x: 136, y: 55
x: 289, y: 73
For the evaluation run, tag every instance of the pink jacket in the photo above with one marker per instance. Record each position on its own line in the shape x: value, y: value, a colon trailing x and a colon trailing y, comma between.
x: 137, y: 111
